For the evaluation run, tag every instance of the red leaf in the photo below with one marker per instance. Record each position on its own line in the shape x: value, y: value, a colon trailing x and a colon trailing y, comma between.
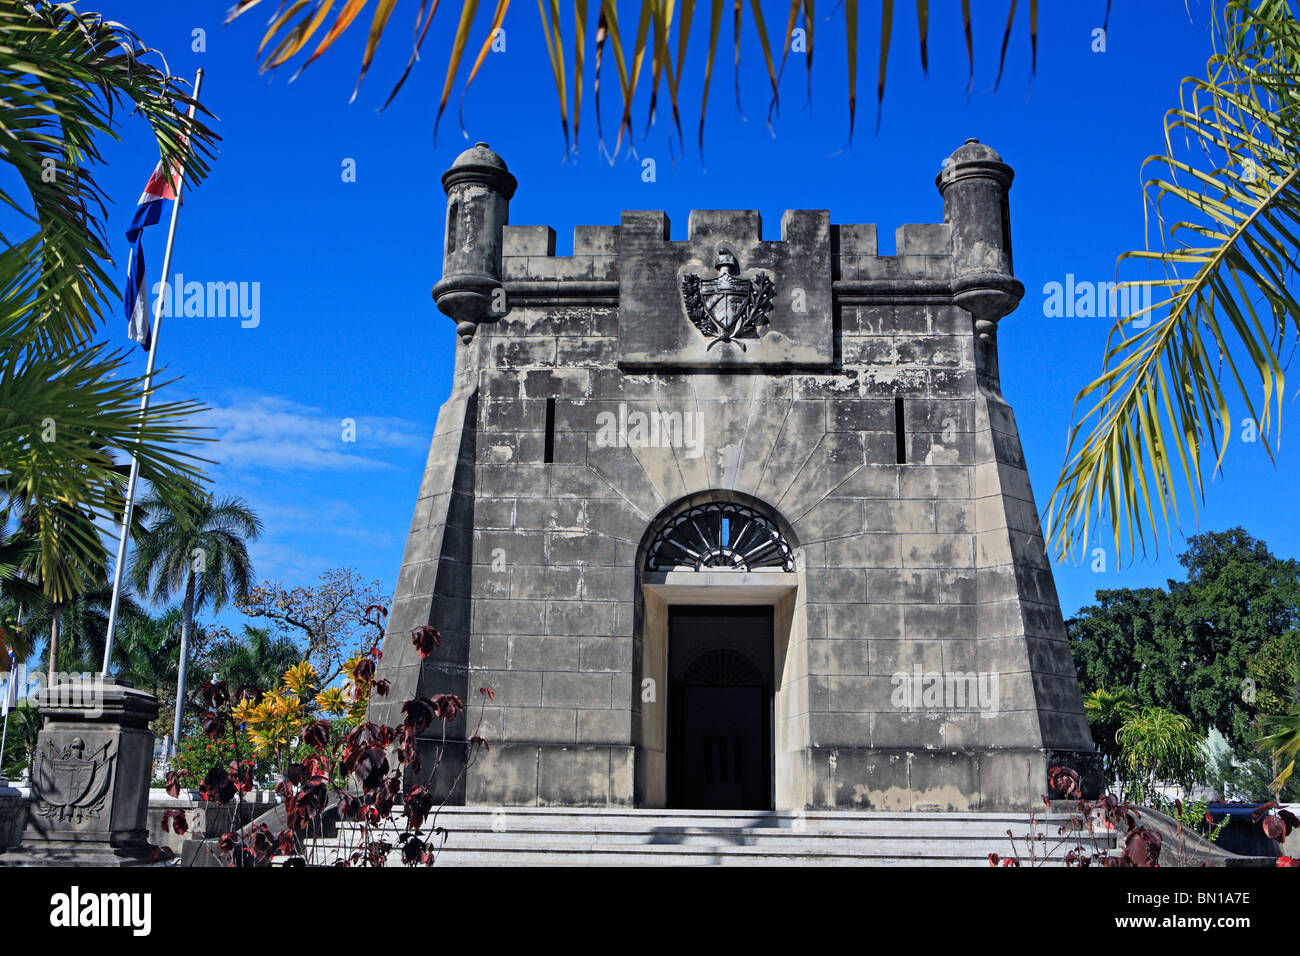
x: 1274, y: 828
x: 316, y: 735
x: 426, y: 637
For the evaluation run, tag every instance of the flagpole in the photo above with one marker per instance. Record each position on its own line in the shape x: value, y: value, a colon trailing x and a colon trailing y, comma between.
x: 133, y: 481
x: 4, y: 734
x: 11, y: 690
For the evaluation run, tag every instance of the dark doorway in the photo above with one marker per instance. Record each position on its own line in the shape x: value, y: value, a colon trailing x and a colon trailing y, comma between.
x: 720, y: 708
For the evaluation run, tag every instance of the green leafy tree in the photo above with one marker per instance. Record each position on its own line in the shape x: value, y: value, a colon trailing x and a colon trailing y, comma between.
x: 25, y: 723
x: 256, y: 658
x: 81, y: 624
x: 1251, y: 775
x: 69, y: 606
x: 1107, y: 712
x: 146, y: 651
x: 1188, y: 648
x: 1282, y: 738
x: 14, y: 636
x: 1270, y: 668
x: 17, y: 553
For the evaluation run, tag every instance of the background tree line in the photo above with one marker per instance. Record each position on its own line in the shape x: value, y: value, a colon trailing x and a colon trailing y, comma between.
x: 1211, y: 657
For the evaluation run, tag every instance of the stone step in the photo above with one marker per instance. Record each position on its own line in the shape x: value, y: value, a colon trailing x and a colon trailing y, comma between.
x: 768, y: 840
x: 773, y: 836
x: 533, y: 836
x: 509, y: 853
x: 919, y: 824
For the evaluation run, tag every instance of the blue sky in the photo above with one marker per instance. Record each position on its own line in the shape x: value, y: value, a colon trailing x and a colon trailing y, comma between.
x: 348, y: 329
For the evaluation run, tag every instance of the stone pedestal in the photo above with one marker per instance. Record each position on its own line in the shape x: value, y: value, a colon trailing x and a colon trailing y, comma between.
x: 90, y: 777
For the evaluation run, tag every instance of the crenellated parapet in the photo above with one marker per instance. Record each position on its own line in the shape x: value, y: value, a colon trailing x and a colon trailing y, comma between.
x: 721, y: 295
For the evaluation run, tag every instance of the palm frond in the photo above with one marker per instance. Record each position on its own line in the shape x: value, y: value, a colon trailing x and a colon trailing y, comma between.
x: 1223, y: 214
x: 68, y: 412
x: 295, y: 23
x: 63, y: 77
x: 1283, y: 734
x: 62, y: 419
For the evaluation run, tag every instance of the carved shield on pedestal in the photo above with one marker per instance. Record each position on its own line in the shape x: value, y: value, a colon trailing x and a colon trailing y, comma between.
x: 71, y: 784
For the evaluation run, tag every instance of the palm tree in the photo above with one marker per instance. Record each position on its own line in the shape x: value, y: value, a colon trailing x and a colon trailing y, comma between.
x: 1159, y: 746
x: 78, y: 569
x: 25, y: 724
x: 196, y: 549
x: 148, y: 651
x: 1223, y: 211
x: 1283, y: 738
x: 289, y: 33
x: 1107, y: 712
x: 16, y: 553
x: 77, y: 626
x: 69, y: 409
x: 255, y: 659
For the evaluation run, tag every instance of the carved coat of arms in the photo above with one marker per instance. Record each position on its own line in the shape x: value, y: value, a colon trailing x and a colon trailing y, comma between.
x: 71, y: 783
x: 727, y: 307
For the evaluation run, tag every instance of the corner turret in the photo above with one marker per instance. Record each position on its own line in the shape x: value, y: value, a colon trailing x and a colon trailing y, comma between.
x: 974, y: 183
x: 479, y: 187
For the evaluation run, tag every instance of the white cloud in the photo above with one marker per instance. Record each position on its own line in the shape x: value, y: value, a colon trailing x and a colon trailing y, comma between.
x: 267, y: 431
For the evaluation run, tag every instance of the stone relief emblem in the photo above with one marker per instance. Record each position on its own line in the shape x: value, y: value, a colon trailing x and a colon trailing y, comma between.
x: 727, y: 307
x: 72, y: 784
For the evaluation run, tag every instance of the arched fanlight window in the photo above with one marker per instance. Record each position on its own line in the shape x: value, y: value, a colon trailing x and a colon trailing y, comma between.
x: 720, y: 536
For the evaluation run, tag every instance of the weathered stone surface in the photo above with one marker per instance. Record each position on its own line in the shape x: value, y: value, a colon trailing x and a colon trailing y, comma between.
x: 651, y: 267
x: 920, y: 660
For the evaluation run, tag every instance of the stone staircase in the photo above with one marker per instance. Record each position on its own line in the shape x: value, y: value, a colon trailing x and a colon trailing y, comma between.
x: 533, y: 836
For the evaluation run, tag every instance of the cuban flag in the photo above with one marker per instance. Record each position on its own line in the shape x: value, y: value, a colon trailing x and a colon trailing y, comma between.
x: 156, y: 193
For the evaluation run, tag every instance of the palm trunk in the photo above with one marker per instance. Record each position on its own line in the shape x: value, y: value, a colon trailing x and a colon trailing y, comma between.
x: 187, y: 622
x: 54, y: 646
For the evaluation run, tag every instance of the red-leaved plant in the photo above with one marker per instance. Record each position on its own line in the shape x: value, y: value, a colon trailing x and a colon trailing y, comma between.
x: 1078, y: 838
x: 1277, y: 822
x: 374, y: 757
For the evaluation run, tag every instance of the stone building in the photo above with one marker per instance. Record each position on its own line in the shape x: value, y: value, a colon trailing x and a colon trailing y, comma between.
x: 728, y: 522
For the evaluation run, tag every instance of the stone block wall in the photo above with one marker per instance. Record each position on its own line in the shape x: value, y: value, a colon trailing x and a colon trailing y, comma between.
x: 871, y: 428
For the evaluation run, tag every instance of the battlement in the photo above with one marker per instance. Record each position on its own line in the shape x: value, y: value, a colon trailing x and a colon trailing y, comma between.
x: 528, y: 254
x: 923, y: 250
x: 722, y: 296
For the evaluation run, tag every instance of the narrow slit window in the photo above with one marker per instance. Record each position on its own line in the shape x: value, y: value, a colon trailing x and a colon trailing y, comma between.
x: 453, y: 216
x: 900, y: 431
x: 548, y: 454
